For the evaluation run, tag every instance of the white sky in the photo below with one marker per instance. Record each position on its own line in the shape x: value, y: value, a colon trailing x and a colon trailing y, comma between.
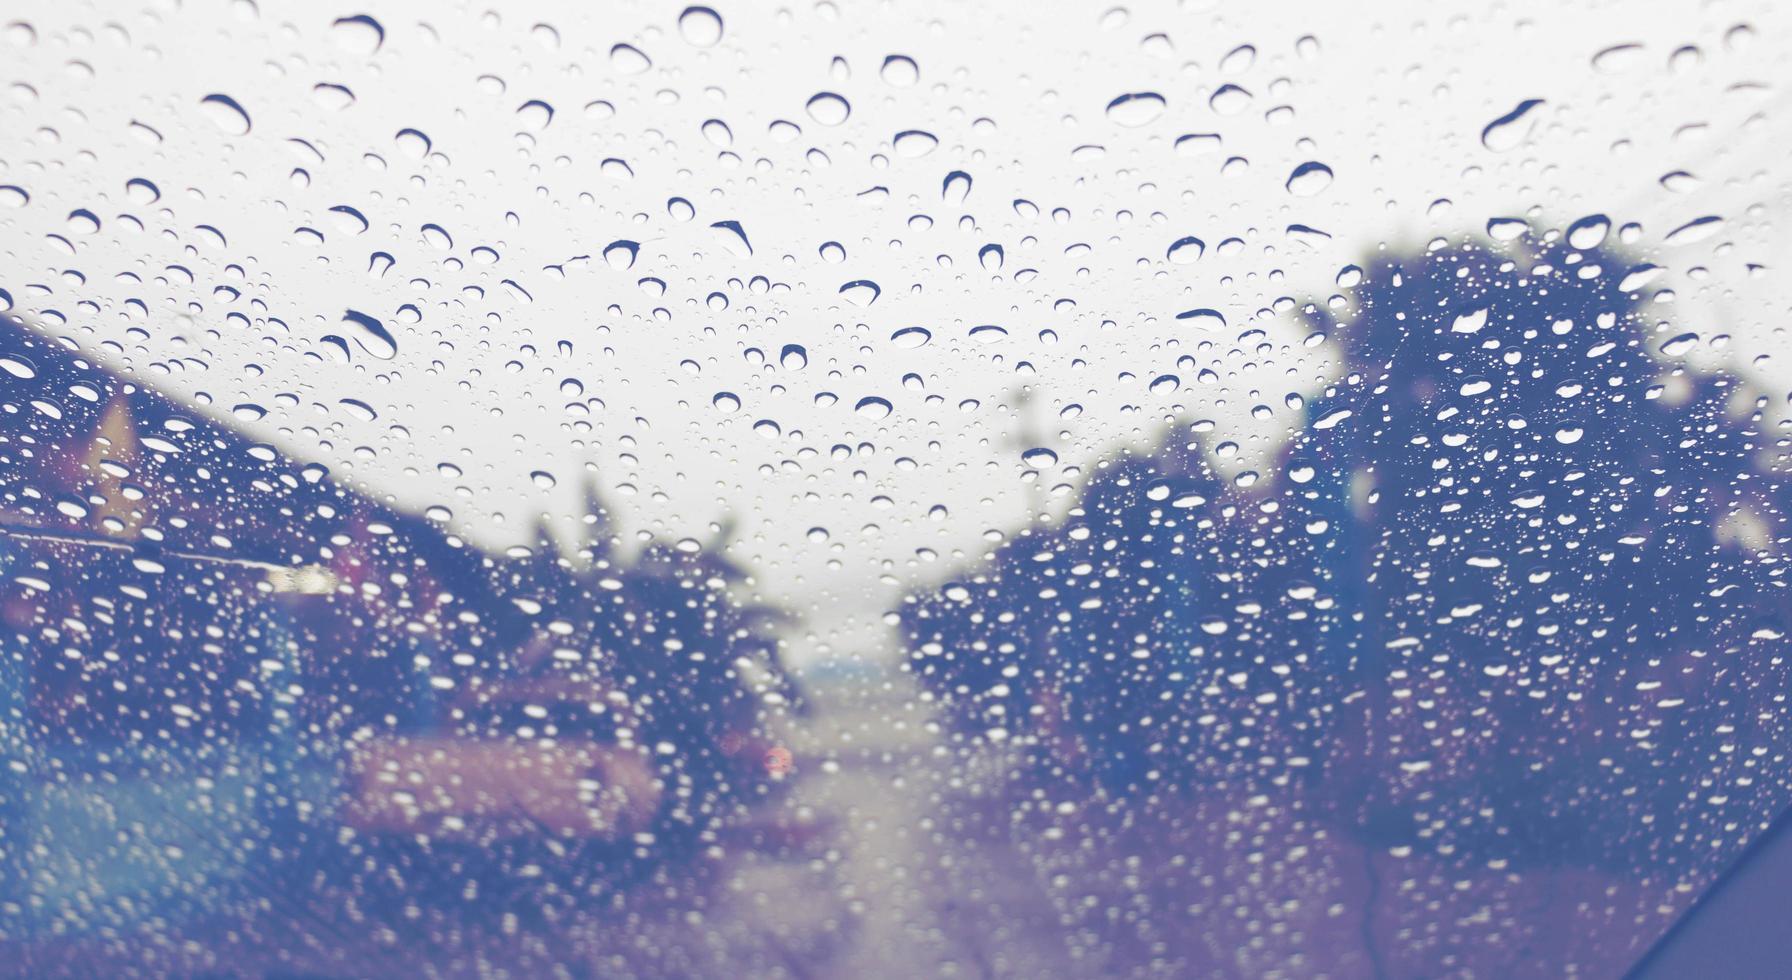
x: 1392, y: 98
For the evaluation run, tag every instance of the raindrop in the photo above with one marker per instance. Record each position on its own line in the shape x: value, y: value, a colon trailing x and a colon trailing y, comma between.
x: 1696, y: 230
x: 956, y: 187
x: 1039, y: 457
x: 226, y: 114
x: 627, y: 59
x: 1510, y: 130
x: 1229, y: 100
x: 543, y: 479
x: 718, y: 133
x: 1309, y: 179
x: 15, y: 364
x: 1470, y: 322
x: 734, y: 238
x: 873, y: 407
x: 1187, y: 250
x: 700, y: 27
x: 349, y: 219
x: 535, y: 115
x: 1198, y: 144
x: 1204, y: 319
x: 621, y: 254
x: 438, y: 237
x: 1506, y: 229
x: 1136, y: 109
x: 1617, y: 58
x: 413, y: 143
x: 359, y: 34
x: 1589, y: 231
x: 990, y: 257
x: 828, y: 109
x: 988, y: 333
x: 1680, y: 345
x: 900, y: 71
x: 372, y: 335
x: 913, y: 143
x: 1165, y: 384
x: 909, y: 338
x: 793, y: 357
x: 726, y: 402
x: 861, y: 292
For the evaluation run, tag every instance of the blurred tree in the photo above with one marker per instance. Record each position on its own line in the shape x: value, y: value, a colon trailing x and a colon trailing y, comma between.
x: 1564, y: 551
x: 1515, y: 592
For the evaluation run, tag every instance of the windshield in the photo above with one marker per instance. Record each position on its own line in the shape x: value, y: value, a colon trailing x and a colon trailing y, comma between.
x: 928, y: 489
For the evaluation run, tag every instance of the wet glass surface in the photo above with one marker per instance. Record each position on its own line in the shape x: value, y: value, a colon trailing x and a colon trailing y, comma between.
x: 929, y: 490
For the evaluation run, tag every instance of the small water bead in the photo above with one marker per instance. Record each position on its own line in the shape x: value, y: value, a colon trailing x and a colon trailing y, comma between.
x: 620, y: 254
x: 627, y: 59
x: 899, y: 71
x: 912, y: 144
x: 860, y: 292
x: 873, y: 407
x: 1511, y: 129
x: 828, y: 109
x: 700, y: 27
x: 226, y: 113
x: 1589, y: 232
x: 1136, y: 109
x: 358, y: 34
x: 534, y: 115
x: 1203, y: 318
x: 1309, y: 179
x: 911, y: 338
x: 1229, y: 100
x: 1186, y: 250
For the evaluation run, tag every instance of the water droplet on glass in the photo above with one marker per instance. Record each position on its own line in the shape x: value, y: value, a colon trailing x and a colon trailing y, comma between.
x: 1186, y: 250
x: 1589, y: 232
x: 226, y: 114
x: 627, y: 59
x: 1229, y: 100
x: 911, y: 144
x: 828, y: 108
x: 620, y: 254
x: 1309, y: 179
x: 900, y: 71
x: 861, y: 292
x: 358, y: 34
x: 700, y: 27
x: 1511, y: 129
x: 909, y: 338
x: 1136, y: 109
x: 1203, y: 319
x: 372, y: 335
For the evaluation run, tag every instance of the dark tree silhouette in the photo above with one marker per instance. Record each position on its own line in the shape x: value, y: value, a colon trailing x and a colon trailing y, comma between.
x: 1170, y: 629
x: 1515, y: 593
x: 1564, y: 549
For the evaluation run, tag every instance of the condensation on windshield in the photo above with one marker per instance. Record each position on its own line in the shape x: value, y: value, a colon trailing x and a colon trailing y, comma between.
x: 921, y: 489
